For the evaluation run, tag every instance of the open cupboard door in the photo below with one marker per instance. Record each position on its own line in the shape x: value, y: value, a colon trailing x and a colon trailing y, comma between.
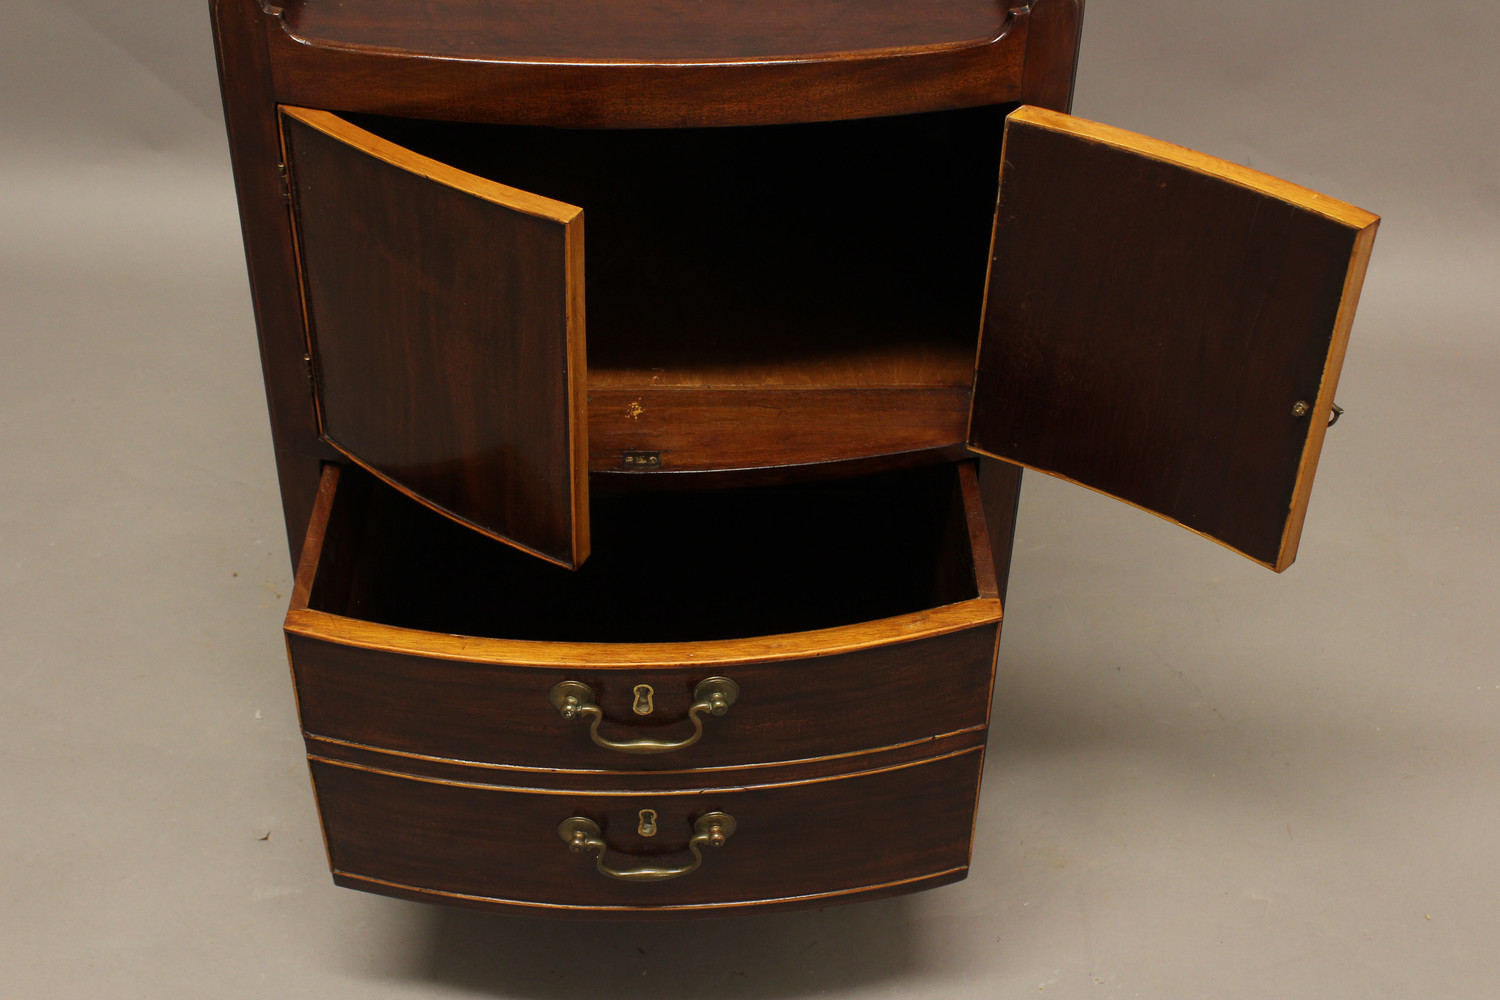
x: 445, y: 332
x: 1165, y: 327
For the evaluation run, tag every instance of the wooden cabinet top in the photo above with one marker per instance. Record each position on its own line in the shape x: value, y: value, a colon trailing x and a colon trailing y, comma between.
x: 652, y: 31
x: 654, y: 63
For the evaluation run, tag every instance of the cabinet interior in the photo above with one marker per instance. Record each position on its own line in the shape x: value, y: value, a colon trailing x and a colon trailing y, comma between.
x: 675, y: 566
x: 841, y: 254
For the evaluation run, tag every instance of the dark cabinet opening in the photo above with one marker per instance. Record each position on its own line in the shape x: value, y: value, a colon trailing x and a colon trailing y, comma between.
x: 848, y: 253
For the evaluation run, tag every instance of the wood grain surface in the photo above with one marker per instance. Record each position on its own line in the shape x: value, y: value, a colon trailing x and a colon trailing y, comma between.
x: 827, y: 836
x: 641, y: 780
x: 445, y: 314
x: 662, y: 31
x: 862, y: 894
x: 789, y: 710
x: 696, y: 430
x: 1054, y: 29
x: 1000, y: 489
x: 270, y: 256
x: 1154, y: 320
x: 670, y: 64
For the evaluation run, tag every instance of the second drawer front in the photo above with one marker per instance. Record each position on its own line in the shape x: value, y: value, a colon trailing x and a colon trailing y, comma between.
x: 833, y: 837
x: 787, y: 710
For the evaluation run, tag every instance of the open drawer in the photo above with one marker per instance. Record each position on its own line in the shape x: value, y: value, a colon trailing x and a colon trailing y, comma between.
x: 715, y: 629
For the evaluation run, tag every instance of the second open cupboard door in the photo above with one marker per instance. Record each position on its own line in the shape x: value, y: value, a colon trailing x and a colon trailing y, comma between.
x: 445, y: 332
x: 1165, y: 327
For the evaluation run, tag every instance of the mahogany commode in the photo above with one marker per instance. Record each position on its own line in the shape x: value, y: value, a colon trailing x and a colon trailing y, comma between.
x: 650, y: 386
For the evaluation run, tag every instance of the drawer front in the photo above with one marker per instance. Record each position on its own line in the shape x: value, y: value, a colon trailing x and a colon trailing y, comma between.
x: 786, y: 710
x: 822, y: 839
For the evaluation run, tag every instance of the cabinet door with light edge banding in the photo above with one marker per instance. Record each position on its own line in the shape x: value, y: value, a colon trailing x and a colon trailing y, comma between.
x: 445, y: 332
x: 1165, y: 327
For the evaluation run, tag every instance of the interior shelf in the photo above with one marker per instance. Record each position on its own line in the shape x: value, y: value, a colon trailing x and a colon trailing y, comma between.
x: 849, y: 254
x: 786, y: 295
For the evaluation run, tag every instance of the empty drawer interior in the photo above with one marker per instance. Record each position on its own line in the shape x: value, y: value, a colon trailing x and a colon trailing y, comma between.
x: 666, y: 567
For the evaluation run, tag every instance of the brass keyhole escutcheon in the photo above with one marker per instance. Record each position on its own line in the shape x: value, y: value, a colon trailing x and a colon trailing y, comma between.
x: 644, y: 705
x: 647, y: 825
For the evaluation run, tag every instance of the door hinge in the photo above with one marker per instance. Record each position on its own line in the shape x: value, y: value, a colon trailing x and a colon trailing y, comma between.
x: 312, y: 374
x: 284, y: 186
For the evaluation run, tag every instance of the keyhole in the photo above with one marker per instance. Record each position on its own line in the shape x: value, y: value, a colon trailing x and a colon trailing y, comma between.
x: 647, y: 825
x: 643, y: 704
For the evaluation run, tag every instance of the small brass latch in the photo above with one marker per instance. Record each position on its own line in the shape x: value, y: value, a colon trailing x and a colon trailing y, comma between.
x: 1301, y: 409
x: 641, y: 459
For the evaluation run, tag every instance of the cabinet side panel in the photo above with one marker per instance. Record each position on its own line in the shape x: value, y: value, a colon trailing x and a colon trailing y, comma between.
x: 441, y: 324
x: 1053, y: 32
x: 255, y: 149
x: 1000, y: 491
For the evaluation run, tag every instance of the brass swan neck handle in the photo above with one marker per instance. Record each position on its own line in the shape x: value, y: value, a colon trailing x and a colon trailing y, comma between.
x: 711, y: 696
x: 582, y: 835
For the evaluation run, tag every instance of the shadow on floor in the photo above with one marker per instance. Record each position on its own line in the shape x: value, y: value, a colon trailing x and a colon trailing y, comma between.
x: 821, y: 952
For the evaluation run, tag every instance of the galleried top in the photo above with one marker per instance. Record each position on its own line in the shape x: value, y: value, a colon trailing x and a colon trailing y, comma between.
x: 656, y: 31
x: 662, y: 63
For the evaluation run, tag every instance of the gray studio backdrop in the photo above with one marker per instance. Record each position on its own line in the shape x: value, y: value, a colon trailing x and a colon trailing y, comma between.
x: 1205, y: 780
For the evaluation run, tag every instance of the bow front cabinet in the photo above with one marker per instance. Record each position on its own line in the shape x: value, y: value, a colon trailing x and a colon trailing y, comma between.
x: 651, y: 385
